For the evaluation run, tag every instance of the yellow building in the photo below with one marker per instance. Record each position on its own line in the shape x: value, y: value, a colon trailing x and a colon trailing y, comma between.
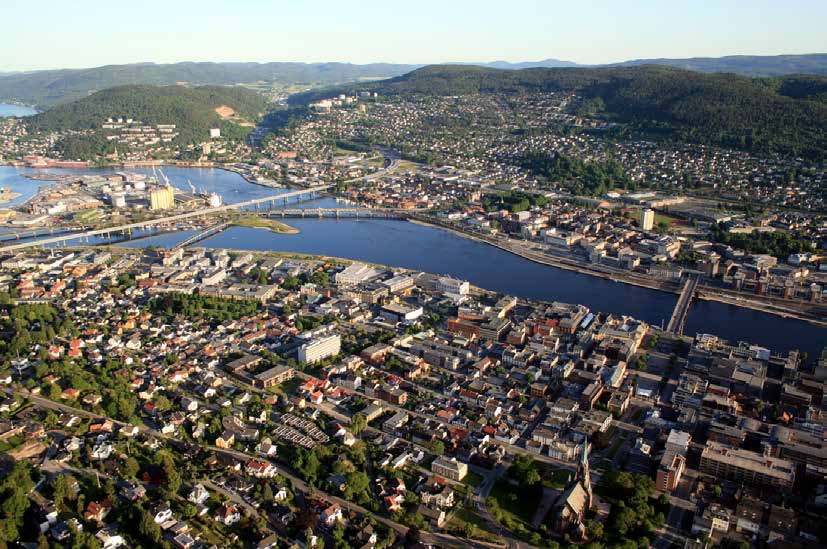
x: 162, y: 199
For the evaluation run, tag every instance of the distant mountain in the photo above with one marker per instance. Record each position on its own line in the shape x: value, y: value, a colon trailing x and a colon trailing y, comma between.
x: 781, y: 114
x: 192, y: 110
x: 47, y: 88
x: 747, y: 65
x: 547, y: 63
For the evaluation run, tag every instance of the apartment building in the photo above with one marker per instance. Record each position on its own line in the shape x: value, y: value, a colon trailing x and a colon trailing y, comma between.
x: 320, y: 349
x: 721, y: 461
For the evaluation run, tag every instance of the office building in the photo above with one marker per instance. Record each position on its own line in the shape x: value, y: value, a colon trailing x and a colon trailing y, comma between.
x: 320, y: 349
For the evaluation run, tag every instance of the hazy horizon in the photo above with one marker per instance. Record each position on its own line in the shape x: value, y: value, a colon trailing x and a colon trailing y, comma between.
x: 65, y: 36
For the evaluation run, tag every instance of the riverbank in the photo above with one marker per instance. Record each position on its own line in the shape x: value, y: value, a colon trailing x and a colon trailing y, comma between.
x: 704, y: 292
x: 550, y: 261
x: 59, y: 165
x: 8, y: 197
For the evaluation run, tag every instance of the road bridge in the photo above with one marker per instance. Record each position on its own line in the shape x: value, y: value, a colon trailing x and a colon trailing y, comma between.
x: 678, y: 318
x: 207, y: 232
x: 171, y: 219
x: 338, y: 213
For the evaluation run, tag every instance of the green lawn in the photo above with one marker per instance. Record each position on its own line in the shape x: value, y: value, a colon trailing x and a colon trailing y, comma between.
x: 518, y: 503
x: 405, y: 165
x: 468, y: 516
x: 555, y: 478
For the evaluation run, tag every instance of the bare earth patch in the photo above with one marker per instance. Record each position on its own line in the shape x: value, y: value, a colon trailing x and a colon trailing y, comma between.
x: 224, y: 111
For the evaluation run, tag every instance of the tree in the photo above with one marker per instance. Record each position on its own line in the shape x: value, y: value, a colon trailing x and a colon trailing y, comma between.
x: 595, y: 530
x: 59, y: 489
x: 130, y: 467
x: 357, y: 483
x: 320, y: 278
x: 148, y: 528
x: 358, y: 423
x: 14, y: 494
x: 524, y: 470
x: 267, y: 493
x: 436, y: 446
x: 171, y: 473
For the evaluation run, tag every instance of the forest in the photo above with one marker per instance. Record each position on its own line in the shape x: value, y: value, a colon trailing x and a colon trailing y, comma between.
x: 577, y: 176
x: 777, y: 244
x: 192, y: 110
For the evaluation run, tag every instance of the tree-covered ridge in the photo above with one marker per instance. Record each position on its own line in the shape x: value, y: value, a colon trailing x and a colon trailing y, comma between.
x: 783, y: 114
x: 192, y: 110
x: 749, y: 65
x: 591, y: 178
x: 46, y: 88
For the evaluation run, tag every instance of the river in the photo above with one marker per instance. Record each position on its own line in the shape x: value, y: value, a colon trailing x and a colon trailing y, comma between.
x: 16, y: 110
x: 424, y: 248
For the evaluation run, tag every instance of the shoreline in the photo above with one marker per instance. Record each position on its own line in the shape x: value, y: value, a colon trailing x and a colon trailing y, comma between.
x: 160, y: 163
x: 704, y: 292
x: 707, y: 293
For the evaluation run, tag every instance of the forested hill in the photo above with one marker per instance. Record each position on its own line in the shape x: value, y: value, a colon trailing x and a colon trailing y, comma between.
x: 192, y: 110
x: 784, y: 114
x: 49, y: 87
x: 748, y: 65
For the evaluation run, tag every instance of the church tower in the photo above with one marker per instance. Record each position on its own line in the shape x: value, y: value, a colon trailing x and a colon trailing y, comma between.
x: 583, y: 473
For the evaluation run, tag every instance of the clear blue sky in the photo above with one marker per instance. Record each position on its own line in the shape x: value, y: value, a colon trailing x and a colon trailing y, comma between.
x: 85, y: 33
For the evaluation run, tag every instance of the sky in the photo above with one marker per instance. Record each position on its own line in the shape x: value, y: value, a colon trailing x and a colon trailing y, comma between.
x: 86, y: 33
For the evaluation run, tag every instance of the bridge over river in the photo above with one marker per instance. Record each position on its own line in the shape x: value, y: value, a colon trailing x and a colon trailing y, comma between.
x: 274, y: 199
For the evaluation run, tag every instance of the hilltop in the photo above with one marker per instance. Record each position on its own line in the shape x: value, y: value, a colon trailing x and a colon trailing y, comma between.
x: 46, y: 88
x: 193, y: 110
x: 51, y: 87
x: 745, y: 65
x: 783, y: 114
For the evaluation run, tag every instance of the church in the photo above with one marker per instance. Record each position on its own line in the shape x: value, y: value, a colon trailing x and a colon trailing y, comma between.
x: 569, y: 511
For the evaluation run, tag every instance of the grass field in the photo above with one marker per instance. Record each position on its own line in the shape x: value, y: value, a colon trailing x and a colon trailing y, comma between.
x: 466, y: 516
x: 264, y: 223
x: 405, y: 166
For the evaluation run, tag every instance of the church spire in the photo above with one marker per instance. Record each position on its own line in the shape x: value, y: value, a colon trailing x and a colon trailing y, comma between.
x: 583, y: 472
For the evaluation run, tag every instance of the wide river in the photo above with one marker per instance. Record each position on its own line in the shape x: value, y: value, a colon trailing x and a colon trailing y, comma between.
x: 16, y: 110
x: 412, y: 246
